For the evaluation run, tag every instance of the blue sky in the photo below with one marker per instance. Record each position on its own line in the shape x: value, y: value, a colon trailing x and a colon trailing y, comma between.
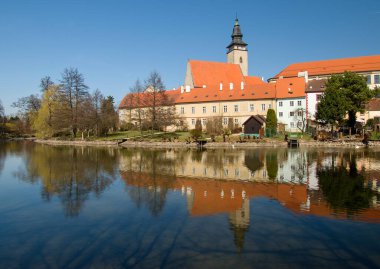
x: 115, y: 42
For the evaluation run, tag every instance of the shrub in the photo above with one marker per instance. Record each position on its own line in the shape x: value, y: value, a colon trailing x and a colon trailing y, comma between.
x: 196, y: 134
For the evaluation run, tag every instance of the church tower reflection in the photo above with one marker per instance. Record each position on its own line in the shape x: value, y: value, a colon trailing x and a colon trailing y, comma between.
x: 239, y: 223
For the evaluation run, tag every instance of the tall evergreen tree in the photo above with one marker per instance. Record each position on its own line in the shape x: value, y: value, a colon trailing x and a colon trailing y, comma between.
x: 271, y: 121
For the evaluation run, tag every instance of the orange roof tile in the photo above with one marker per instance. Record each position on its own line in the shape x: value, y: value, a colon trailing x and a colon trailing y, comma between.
x: 251, y: 80
x: 290, y: 88
x: 374, y: 105
x: 130, y: 100
x: 213, y: 73
x: 213, y: 93
x: 334, y: 66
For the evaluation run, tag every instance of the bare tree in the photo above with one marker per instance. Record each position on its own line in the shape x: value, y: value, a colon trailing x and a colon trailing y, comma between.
x: 1, y: 109
x: 156, y: 99
x: 45, y: 83
x: 214, y: 126
x: 300, y: 119
x: 2, y: 118
x: 136, y: 104
x: 97, y: 99
x: 27, y: 104
x: 74, y: 94
x: 27, y: 110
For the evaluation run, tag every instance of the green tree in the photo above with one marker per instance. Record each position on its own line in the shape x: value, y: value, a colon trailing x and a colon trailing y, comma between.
x: 332, y: 108
x: 271, y: 121
x: 109, y: 117
x: 355, y: 90
x: 49, y: 119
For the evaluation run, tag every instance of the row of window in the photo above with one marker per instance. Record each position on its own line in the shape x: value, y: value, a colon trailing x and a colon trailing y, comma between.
x: 226, y: 172
x: 204, y: 121
x: 376, y: 79
x: 293, y: 124
x: 291, y: 114
x: 225, y: 108
x: 291, y: 103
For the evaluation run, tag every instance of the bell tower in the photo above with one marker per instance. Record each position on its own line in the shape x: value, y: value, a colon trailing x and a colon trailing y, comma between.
x: 237, y: 52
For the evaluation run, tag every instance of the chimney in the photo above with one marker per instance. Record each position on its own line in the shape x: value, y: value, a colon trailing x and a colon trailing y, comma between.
x: 182, y: 89
x: 242, y: 85
x: 304, y: 74
x: 231, y: 86
x: 187, y: 88
x: 204, y: 86
x: 221, y: 86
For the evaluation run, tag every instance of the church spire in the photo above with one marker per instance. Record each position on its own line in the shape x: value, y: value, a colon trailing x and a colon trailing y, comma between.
x: 237, y: 38
x: 237, y: 52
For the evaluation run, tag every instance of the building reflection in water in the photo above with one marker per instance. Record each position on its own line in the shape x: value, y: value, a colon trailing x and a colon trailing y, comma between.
x: 223, y: 181
x: 330, y: 183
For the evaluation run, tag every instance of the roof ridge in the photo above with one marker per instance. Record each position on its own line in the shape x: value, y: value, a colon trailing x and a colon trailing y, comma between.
x: 338, y: 59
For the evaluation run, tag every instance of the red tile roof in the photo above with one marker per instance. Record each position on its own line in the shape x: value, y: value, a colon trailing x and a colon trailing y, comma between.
x: 213, y: 73
x: 335, y: 66
x: 130, y: 100
x: 374, y: 105
x: 253, y: 80
x: 212, y: 94
x: 290, y: 87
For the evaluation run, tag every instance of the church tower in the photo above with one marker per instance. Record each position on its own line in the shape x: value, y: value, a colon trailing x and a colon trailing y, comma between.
x: 237, y: 52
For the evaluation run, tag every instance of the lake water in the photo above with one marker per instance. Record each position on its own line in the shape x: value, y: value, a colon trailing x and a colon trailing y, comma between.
x: 83, y: 207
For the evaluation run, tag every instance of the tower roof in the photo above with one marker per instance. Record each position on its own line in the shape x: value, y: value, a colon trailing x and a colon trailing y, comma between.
x: 237, y: 36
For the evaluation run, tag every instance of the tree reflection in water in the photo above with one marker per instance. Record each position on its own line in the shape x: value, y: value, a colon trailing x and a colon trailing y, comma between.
x: 2, y: 154
x: 343, y: 185
x: 148, y: 191
x: 70, y: 173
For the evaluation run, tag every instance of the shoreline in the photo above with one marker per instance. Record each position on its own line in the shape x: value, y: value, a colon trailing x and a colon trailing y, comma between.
x: 210, y: 145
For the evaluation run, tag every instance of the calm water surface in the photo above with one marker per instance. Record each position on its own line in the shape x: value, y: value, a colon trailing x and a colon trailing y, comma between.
x: 73, y: 207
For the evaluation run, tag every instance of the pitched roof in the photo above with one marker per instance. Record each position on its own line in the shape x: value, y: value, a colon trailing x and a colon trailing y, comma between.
x: 316, y: 85
x: 290, y: 87
x: 213, y: 93
x: 374, y: 104
x: 259, y: 118
x: 213, y: 73
x: 334, y: 66
x: 130, y: 100
x: 252, y: 80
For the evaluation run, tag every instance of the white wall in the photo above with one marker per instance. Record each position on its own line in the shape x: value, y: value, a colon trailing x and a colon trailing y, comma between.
x: 311, y: 99
x: 286, y: 109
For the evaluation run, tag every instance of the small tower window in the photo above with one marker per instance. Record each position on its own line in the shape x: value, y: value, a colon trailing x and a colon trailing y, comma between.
x: 241, y: 60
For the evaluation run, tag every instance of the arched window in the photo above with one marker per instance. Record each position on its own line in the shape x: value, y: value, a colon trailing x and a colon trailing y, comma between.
x: 241, y: 60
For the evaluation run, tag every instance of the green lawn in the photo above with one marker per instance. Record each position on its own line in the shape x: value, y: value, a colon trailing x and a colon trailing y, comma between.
x: 146, y: 135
